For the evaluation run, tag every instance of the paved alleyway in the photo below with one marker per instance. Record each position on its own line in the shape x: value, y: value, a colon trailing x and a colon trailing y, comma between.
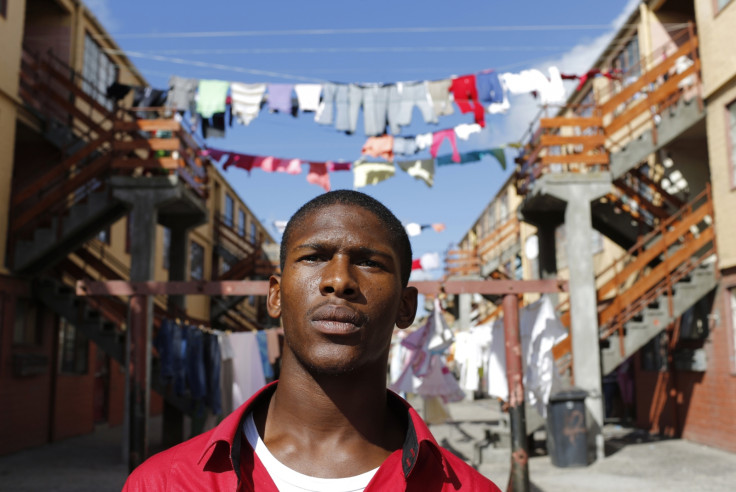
x: 94, y: 462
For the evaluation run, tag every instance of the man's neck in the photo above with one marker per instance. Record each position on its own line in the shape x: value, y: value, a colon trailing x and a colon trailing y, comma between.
x: 329, y: 416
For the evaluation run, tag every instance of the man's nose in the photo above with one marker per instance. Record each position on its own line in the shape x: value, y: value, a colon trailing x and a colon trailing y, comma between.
x: 338, y: 278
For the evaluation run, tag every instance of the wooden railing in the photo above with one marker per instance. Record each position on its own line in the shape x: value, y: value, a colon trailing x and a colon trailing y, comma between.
x: 251, y: 260
x: 494, y: 244
x: 583, y: 143
x: 462, y: 262
x: 109, y: 140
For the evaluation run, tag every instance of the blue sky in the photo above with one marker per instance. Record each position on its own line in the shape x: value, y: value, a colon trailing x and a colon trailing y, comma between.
x: 379, y: 41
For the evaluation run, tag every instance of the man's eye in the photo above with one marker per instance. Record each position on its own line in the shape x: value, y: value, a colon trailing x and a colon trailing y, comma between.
x: 370, y: 263
x: 310, y: 258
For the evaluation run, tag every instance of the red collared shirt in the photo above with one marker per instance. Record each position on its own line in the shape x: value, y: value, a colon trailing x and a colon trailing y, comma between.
x: 214, y: 461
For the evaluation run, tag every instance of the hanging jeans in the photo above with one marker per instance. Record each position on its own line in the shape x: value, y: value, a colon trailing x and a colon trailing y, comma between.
x: 195, y: 363
x: 212, y: 362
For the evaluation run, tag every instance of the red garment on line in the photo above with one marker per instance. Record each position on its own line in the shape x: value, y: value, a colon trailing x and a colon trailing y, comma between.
x: 466, y: 97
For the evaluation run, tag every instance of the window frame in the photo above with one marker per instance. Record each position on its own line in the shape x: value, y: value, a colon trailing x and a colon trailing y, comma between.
x: 229, y: 215
x: 91, y: 75
x: 717, y: 10
x: 729, y: 317
x: 242, y: 219
x: 193, y: 245
x: 79, y: 347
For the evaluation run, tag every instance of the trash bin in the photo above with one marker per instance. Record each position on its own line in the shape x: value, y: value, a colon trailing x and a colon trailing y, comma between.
x: 567, y: 438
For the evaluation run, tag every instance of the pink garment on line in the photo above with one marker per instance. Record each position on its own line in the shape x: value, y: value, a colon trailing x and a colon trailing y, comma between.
x: 272, y: 164
x: 466, y: 97
x: 243, y: 161
x: 339, y: 166
x: 438, y: 137
x: 318, y: 175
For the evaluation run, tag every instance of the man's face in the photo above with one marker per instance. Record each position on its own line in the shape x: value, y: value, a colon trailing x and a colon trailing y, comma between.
x: 340, y: 291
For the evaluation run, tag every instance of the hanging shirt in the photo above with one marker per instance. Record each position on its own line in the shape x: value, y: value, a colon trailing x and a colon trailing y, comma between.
x: 413, y: 229
x: 489, y: 87
x: 273, y: 164
x: 439, y: 94
x: 370, y: 172
x: 381, y: 147
x: 551, y: 91
x: 421, y: 169
x: 246, y: 101
x: 439, y: 137
x: 247, y: 368
x: 405, y: 146
x: 424, y: 140
x: 211, y: 97
x: 307, y: 95
x: 182, y: 94
x: 466, y: 97
x: 279, y: 97
x: 339, y: 166
x: 318, y: 175
x: 463, y: 131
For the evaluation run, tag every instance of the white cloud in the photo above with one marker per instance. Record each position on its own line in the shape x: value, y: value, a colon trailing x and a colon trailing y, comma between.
x: 578, y: 59
x: 101, y: 9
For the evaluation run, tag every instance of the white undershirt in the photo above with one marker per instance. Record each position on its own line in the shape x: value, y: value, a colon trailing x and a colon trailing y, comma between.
x: 288, y: 480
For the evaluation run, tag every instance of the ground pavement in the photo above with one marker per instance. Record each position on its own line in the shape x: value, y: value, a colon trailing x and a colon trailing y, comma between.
x: 635, y: 462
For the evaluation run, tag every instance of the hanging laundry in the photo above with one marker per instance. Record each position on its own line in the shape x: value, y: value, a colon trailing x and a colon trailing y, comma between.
x: 246, y: 101
x: 279, y: 97
x: 375, y: 109
x: 466, y: 97
x: 117, y: 91
x: 465, y: 130
x: 439, y: 137
x: 319, y: 175
x: 194, y: 362
x: 439, y: 94
x: 438, y: 227
x: 422, y: 169
x: 339, y: 166
x: 280, y: 225
x: 274, y: 348
x: 413, y: 229
x: 465, y: 158
x: 381, y: 147
x: 307, y: 96
x: 416, y: 264
x: 271, y: 164
x: 439, y: 382
x: 405, y: 146
x: 430, y: 261
x: 226, y: 372
x: 371, y: 172
x: 148, y: 97
x: 489, y: 88
x: 182, y: 94
x: 344, y: 101
x: 403, y: 96
x: 247, y: 368
x: 212, y: 362
x: 213, y: 127
x: 424, y: 140
x: 499, y: 154
x: 211, y: 97
x: 263, y: 352
x: 551, y: 91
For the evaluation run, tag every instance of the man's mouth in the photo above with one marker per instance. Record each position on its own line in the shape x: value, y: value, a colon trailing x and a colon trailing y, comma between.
x: 337, y: 320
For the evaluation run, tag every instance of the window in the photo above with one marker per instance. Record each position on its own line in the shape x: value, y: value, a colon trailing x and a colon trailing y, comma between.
x: 25, y: 327
x: 504, y: 208
x: 253, y: 232
x: 229, y: 210
x: 98, y: 72
x: 241, y: 223
x: 732, y: 141
x: 730, y: 315
x: 627, y: 61
x: 4, y: 8
x: 720, y: 4
x: 73, y: 350
x: 196, y: 261
x: 167, y: 247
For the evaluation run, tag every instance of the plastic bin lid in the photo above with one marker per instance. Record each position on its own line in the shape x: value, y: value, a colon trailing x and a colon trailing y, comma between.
x: 569, y: 394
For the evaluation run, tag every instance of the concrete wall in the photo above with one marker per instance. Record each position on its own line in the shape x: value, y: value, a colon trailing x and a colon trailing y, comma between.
x: 718, y: 56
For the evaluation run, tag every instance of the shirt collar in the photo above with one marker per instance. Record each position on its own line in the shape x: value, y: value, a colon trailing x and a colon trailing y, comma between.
x: 418, y: 437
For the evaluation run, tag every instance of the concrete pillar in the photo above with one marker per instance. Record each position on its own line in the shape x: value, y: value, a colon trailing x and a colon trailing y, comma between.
x: 173, y: 418
x: 464, y: 308
x: 578, y: 192
x: 145, y: 197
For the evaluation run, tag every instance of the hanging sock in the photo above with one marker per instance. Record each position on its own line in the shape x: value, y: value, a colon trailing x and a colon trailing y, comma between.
x: 279, y: 98
x: 465, y: 158
x: 424, y: 140
x: 307, y: 95
x: 339, y: 166
x: 211, y: 97
x: 319, y: 175
x: 405, y: 146
x: 422, y: 169
x: 466, y: 97
x: 438, y: 137
x: 246, y: 101
x: 371, y: 172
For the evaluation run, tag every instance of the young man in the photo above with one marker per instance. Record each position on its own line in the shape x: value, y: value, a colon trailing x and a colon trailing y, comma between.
x: 329, y: 423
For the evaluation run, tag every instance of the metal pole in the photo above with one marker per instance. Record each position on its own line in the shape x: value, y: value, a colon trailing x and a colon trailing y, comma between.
x: 519, y: 476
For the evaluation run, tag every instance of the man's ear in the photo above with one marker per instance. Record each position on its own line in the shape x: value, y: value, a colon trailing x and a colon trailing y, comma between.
x: 408, y: 307
x: 273, y: 301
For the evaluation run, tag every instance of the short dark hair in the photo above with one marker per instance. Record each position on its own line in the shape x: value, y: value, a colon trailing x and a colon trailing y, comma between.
x: 349, y: 197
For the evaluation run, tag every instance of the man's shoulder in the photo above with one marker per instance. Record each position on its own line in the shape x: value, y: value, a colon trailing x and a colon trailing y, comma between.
x: 159, y: 470
x: 468, y: 477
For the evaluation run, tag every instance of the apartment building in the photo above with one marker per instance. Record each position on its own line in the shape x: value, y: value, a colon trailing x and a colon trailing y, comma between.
x: 627, y: 191
x: 92, y: 190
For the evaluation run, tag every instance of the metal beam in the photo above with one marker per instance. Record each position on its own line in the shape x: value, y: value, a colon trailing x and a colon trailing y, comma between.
x: 260, y: 287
